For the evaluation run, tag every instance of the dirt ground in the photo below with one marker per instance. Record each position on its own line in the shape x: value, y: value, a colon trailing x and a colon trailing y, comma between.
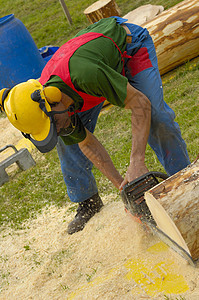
x: 9, y: 135
x: 112, y: 258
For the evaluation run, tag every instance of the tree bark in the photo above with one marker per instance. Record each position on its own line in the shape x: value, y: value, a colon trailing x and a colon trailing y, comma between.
x: 101, y: 9
x: 175, y: 33
x: 174, y: 205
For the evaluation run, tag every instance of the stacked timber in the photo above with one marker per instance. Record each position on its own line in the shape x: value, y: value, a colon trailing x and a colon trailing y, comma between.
x: 175, y: 33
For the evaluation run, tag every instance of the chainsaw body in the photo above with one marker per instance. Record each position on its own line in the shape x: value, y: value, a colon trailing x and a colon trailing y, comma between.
x: 133, y: 196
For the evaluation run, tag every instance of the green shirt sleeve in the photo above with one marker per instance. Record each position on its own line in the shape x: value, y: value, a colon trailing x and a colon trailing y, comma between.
x: 75, y: 134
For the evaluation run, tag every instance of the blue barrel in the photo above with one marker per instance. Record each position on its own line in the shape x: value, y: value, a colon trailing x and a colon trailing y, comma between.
x: 20, y: 59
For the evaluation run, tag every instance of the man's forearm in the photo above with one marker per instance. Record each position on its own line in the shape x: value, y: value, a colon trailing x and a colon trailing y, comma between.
x: 140, y: 107
x: 140, y: 121
x: 97, y: 154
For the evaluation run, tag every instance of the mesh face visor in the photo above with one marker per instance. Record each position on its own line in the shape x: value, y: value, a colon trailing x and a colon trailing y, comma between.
x: 50, y: 141
x: 73, y: 123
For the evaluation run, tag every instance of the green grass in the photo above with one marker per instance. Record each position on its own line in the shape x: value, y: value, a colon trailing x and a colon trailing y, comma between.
x: 27, y: 193
x: 181, y: 92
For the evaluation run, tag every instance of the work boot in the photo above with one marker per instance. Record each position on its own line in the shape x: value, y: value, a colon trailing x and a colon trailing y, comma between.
x: 85, y: 211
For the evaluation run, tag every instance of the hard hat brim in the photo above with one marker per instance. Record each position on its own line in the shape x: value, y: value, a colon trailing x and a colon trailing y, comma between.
x: 49, y: 142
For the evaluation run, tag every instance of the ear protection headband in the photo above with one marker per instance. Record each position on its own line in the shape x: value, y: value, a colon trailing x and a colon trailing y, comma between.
x: 36, y: 96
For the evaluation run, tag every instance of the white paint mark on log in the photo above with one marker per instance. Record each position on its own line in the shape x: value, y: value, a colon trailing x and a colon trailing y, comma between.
x: 171, y: 28
x: 191, y: 19
x: 196, y: 30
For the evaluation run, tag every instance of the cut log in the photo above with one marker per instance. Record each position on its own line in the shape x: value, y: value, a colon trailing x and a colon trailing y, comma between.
x: 143, y: 14
x: 174, y: 205
x: 101, y: 9
x: 175, y: 33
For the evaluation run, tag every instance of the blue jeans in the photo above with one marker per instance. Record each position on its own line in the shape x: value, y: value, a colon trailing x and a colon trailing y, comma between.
x: 75, y: 166
x: 165, y: 137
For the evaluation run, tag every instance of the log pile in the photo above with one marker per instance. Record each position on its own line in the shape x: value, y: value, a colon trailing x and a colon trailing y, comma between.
x: 174, y: 205
x: 175, y: 33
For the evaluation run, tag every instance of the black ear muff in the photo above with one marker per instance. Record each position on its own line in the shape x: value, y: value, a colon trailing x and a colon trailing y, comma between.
x: 36, y: 96
x: 5, y: 94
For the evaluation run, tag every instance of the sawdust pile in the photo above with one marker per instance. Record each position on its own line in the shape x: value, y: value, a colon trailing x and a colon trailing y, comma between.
x: 112, y: 258
x: 43, y: 262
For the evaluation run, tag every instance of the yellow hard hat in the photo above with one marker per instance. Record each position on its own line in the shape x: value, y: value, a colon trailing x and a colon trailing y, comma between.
x: 28, y: 110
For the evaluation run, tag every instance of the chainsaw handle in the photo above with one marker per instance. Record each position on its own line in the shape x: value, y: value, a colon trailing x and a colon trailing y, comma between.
x: 159, y: 174
x: 153, y: 173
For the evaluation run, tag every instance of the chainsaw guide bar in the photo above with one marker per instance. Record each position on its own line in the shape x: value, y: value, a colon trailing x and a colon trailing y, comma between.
x: 135, y: 204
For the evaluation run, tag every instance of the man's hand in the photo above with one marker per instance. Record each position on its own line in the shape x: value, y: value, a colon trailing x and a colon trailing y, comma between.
x: 134, y: 171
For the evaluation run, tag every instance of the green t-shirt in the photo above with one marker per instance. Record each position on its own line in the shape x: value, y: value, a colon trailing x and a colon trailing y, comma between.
x: 99, y: 73
x: 95, y: 68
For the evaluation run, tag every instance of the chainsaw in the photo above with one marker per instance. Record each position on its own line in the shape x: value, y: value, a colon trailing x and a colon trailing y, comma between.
x: 133, y: 198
